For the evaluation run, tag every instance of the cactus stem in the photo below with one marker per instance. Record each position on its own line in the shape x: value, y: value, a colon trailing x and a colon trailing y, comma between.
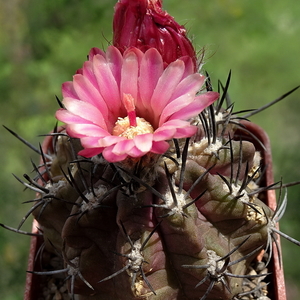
x: 171, y: 187
x: 217, y: 268
x: 193, y: 201
x: 255, y: 138
x: 240, y: 164
x: 198, y: 180
x: 183, y: 164
x: 146, y: 185
x: 74, y: 184
x: 73, y: 270
x: 226, y: 182
x: 245, y: 181
x: 135, y: 259
x: 149, y: 236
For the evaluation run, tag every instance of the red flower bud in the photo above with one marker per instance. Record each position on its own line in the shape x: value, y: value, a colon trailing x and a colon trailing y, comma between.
x: 144, y: 24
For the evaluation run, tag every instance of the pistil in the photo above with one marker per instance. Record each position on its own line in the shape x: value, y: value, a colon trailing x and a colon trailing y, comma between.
x: 131, y: 125
x: 128, y: 102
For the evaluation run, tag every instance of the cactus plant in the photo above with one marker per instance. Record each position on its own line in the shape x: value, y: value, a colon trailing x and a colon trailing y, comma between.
x: 155, y: 188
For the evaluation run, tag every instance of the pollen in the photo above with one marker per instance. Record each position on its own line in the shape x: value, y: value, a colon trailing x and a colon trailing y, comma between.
x: 122, y: 128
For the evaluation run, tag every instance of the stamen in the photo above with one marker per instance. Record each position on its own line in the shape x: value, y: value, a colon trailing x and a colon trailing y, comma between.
x: 128, y: 102
x: 131, y: 125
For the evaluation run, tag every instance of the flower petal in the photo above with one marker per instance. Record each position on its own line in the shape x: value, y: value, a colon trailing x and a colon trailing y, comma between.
x: 164, y: 133
x: 189, y: 85
x: 88, y: 93
x: 68, y: 90
x: 115, y: 60
x: 186, y: 131
x: 129, y: 75
x: 112, y: 157
x: 82, y: 130
x: 108, y: 86
x: 86, y: 111
x: 109, y: 140
x: 143, y: 142
x: 175, y: 106
x: 160, y: 147
x: 201, y: 102
x: 150, y: 71
x: 166, y: 85
x: 90, y: 142
x: 65, y: 116
x: 123, y: 147
x: 90, y: 152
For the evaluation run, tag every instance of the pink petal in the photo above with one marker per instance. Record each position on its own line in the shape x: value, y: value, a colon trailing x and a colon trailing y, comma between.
x: 150, y: 70
x: 88, y: 93
x: 129, y: 75
x: 184, y: 132
x: 115, y: 61
x: 189, y: 66
x: 94, y: 51
x: 189, y: 85
x: 90, y: 142
x: 81, y: 130
x: 200, y: 103
x: 88, y: 72
x: 175, y: 106
x: 123, y: 147
x: 86, y: 111
x: 164, y: 133
x: 110, y: 140
x: 166, y: 86
x: 108, y: 86
x: 90, y: 152
x: 135, y: 152
x: 143, y: 142
x: 160, y: 147
x: 111, y: 157
x: 68, y: 90
x: 65, y: 116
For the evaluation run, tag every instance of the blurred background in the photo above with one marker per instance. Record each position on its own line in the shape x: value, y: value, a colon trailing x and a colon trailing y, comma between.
x: 42, y: 44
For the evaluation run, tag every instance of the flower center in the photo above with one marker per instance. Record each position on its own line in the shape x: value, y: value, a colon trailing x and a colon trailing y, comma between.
x: 131, y: 125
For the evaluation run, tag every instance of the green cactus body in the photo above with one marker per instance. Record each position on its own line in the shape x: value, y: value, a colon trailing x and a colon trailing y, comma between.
x: 154, y: 188
x: 178, y: 226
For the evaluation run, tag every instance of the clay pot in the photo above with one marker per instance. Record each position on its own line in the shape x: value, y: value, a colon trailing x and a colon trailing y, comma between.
x: 276, y: 288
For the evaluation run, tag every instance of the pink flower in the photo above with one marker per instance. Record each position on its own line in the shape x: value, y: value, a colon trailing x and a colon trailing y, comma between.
x: 143, y: 24
x: 130, y: 105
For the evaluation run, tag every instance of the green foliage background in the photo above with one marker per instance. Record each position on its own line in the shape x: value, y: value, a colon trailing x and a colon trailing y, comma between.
x: 42, y: 44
